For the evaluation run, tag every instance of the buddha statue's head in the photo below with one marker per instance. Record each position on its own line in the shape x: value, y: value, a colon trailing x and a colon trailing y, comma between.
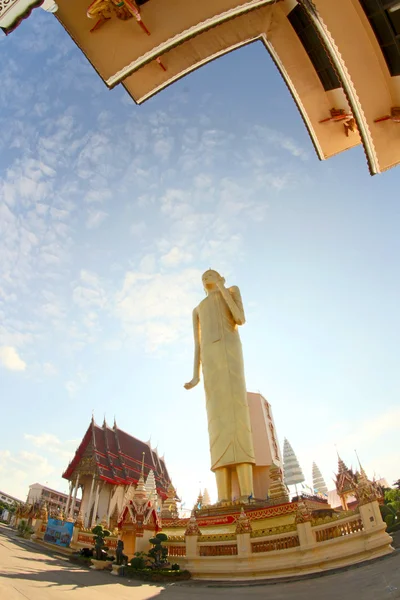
x: 210, y: 279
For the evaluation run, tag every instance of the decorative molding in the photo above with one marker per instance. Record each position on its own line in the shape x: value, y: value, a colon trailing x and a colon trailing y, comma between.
x: 183, y: 37
x: 5, y: 5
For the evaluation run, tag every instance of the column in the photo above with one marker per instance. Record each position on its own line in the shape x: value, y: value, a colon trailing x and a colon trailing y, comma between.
x: 69, y: 499
x: 89, y: 506
x: 74, y: 498
x: 96, y: 504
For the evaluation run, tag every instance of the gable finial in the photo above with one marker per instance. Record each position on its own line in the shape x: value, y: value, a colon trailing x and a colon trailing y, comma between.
x: 142, y: 473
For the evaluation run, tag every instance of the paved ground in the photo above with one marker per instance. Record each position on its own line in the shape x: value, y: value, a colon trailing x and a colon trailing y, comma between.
x: 28, y: 573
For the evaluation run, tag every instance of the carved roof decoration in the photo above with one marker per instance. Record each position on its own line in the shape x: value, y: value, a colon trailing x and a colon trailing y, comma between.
x: 117, y: 458
x: 13, y: 12
x: 345, y: 478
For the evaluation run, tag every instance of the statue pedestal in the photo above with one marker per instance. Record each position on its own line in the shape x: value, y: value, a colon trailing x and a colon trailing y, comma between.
x: 100, y: 565
x: 115, y: 569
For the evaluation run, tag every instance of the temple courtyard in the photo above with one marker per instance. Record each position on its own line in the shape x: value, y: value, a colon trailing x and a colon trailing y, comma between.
x: 28, y: 572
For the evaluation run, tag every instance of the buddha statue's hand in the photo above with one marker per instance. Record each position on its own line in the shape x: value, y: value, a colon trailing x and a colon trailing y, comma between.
x: 192, y: 384
x: 220, y: 283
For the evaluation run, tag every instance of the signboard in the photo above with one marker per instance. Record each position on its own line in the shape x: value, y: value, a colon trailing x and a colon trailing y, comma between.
x: 58, y: 532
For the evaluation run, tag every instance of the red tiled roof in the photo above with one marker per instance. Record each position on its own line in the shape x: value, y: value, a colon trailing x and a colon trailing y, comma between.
x: 118, y: 457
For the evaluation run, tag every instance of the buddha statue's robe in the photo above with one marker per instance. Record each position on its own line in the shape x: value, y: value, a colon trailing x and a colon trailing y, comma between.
x: 221, y: 356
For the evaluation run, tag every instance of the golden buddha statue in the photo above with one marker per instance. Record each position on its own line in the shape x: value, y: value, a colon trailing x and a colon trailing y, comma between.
x: 219, y: 350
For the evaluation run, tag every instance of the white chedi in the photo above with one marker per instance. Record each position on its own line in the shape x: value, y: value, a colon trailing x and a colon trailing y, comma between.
x: 319, y: 484
x: 206, y: 498
x: 291, y: 468
x: 150, y: 486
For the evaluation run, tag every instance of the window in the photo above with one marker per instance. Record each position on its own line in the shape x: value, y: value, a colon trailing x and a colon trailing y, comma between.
x: 384, y: 17
x: 315, y: 49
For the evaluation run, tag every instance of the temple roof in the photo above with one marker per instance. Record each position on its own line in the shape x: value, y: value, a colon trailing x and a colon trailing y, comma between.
x: 118, y: 457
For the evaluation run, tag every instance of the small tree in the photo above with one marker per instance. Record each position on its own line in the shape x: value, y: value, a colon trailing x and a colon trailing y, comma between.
x: 158, y: 552
x: 99, y: 544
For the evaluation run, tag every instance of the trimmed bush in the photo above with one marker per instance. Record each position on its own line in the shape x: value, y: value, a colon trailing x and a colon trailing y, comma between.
x: 389, y: 520
x: 138, y: 563
x: 155, y: 575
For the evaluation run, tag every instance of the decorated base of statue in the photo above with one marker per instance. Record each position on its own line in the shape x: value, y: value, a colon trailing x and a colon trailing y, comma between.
x: 100, y: 565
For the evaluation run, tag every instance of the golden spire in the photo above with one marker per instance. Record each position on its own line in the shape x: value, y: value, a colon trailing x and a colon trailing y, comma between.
x: 363, y: 474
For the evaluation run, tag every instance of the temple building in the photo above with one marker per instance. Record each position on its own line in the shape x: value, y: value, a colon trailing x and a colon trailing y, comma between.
x: 347, y: 482
x: 107, y: 466
x: 340, y: 60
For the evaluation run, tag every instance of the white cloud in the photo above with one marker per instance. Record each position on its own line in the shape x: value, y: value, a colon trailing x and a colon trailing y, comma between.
x: 175, y: 257
x: 138, y: 229
x: 95, y: 218
x: 11, y: 360
x: 203, y: 181
x: 44, y: 465
x: 148, y: 263
x: 97, y: 196
x: 49, y: 369
x: 158, y: 306
x: 89, y: 293
x: 163, y: 148
x: 72, y: 388
x: 278, y: 139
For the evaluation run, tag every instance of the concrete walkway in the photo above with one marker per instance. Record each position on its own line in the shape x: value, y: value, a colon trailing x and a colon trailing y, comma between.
x: 34, y: 574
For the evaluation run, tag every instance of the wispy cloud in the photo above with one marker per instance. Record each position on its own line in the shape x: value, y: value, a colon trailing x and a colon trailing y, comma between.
x: 11, y: 360
x: 95, y: 218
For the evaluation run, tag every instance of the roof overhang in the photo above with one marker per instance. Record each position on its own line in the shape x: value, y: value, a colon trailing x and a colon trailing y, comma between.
x: 12, y: 12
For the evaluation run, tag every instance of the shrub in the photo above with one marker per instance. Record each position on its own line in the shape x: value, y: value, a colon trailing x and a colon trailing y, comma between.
x: 99, y: 545
x: 155, y: 574
x: 175, y: 567
x: 158, y: 552
x: 24, y: 530
x: 389, y: 520
x: 138, y: 563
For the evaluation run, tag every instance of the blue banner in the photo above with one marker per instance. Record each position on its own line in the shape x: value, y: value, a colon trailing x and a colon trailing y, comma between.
x: 58, y: 532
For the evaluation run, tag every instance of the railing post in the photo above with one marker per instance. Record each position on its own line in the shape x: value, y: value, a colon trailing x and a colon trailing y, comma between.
x: 74, y: 540
x: 371, y: 515
x: 191, y: 546
x: 191, y: 535
x: 303, y: 524
x: 243, y: 534
x: 243, y: 545
x: 306, y: 535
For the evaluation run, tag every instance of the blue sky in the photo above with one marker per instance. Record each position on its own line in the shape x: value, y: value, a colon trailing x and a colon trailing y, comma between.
x: 109, y: 214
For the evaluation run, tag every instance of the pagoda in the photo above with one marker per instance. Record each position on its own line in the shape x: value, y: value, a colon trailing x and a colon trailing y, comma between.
x: 353, y: 487
x: 107, y: 464
x: 291, y: 466
x: 345, y: 483
x: 319, y: 484
x: 277, y: 492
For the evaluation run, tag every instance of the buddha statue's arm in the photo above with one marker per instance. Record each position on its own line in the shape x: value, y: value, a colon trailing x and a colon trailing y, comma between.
x: 196, y: 365
x: 233, y: 299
